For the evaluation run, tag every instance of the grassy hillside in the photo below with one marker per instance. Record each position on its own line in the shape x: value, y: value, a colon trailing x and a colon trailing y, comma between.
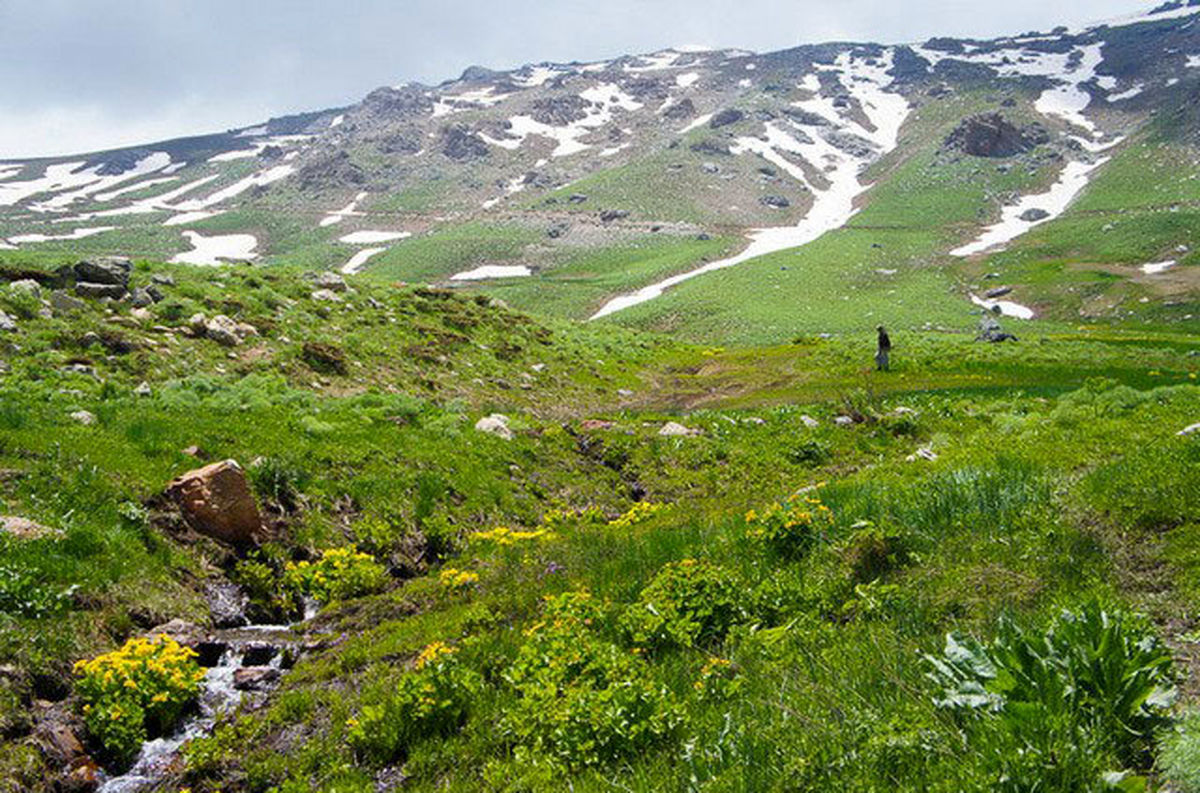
x: 596, y: 604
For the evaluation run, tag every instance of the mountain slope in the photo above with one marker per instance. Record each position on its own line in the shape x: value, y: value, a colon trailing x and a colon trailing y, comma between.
x: 589, y: 188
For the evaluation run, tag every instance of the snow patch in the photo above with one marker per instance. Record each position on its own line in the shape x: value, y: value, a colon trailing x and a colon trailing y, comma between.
x: 350, y: 209
x: 686, y: 80
x: 696, y: 123
x: 1007, y: 307
x: 77, y: 234
x: 1074, y: 177
x: 213, y: 251
x: 337, y: 121
x: 188, y: 218
x: 368, y: 237
x: 1128, y: 94
x: 359, y: 259
x: 492, y: 271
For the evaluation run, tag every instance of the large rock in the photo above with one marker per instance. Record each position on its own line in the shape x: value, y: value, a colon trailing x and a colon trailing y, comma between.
x: 992, y: 135
x: 111, y: 270
x: 331, y: 281
x: 96, y: 291
x: 216, y: 501
x: 673, y: 429
x: 63, y: 303
x: 222, y: 330
x: 495, y: 424
x: 7, y: 324
x: 24, y: 529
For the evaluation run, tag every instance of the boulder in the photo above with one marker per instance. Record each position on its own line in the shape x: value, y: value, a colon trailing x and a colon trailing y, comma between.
x: 331, y: 281
x: 609, y: 215
x: 254, y: 678
x: 775, y: 201
x: 140, y: 298
x: 216, y: 501
x: 673, y: 429
x: 63, y: 303
x: 162, y: 279
x: 186, y: 633
x: 495, y: 424
x: 110, y: 270
x: 84, y: 417
x: 222, y: 330
x: 7, y: 324
x: 999, y: 291
x: 809, y: 421
x: 82, y: 776
x: 58, y: 743
x: 95, y: 291
x: 990, y: 331
x: 843, y: 421
x: 326, y: 295
x: 26, y: 286
x: 1034, y: 215
x: 725, y: 118
x: 24, y: 529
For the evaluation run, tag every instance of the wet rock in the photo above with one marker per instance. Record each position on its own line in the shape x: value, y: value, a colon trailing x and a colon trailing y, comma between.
x: 495, y: 424
x: 254, y: 678
x: 110, y: 270
x: 97, y: 291
x: 226, y: 604
x: 258, y: 654
x: 216, y: 501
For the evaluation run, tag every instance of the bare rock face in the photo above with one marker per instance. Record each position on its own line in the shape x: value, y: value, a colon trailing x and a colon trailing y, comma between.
x: 460, y: 143
x: 992, y: 135
x: 111, y: 270
x: 216, y: 501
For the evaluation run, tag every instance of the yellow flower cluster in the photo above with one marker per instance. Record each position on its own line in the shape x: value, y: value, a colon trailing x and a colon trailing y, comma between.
x: 639, y: 512
x: 339, y: 573
x: 713, y: 666
x: 453, y: 578
x: 505, y: 536
x: 432, y: 653
x: 161, y: 657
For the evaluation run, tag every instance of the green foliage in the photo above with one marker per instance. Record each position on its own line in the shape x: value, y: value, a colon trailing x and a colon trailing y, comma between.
x: 140, y: 689
x: 340, y: 573
x: 433, y: 699
x: 688, y: 603
x: 581, y: 700
x: 1092, y: 689
x: 790, y: 527
x: 1180, y: 758
x: 279, y: 482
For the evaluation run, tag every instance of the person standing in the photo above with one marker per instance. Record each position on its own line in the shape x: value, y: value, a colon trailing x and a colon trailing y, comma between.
x: 883, y: 350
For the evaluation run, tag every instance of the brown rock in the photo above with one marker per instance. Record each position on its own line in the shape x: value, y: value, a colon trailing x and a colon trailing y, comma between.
x: 83, y: 777
x: 58, y: 743
x: 590, y: 425
x: 254, y: 678
x: 216, y: 501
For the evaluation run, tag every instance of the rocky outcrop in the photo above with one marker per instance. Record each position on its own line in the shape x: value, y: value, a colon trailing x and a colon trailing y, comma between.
x: 681, y: 110
x: 992, y: 135
x: 726, y: 117
x: 216, y: 501
x: 459, y: 143
x: 559, y: 111
x: 398, y: 103
x: 329, y: 172
x: 775, y: 201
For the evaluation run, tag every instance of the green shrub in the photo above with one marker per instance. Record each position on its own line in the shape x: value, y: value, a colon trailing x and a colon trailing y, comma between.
x: 340, y: 573
x: 689, y: 603
x: 278, y: 482
x: 431, y: 700
x: 138, y: 690
x: 870, y: 552
x: 581, y: 701
x: 810, y: 452
x: 1094, y: 688
x: 790, y: 527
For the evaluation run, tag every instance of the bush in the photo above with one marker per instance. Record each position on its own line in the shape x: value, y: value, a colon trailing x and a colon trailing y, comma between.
x: 431, y: 700
x: 340, y: 573
x: 1092, y: 689
x: 870, y: 552
x: 138, y: 690
x: 809, y: 452
x: 278, y: 482
x: 581, y: 701
x: 689, y: 603
x: 790, y: 527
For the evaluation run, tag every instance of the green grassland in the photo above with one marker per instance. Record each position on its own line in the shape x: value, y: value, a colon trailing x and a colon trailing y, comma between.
x: 1053, y: 477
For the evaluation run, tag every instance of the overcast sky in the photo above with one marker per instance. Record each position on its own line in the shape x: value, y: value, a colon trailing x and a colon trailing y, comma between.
x: 79, y: 75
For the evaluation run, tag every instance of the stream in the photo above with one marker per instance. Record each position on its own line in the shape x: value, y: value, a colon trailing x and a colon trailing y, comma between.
x: 239, y: 663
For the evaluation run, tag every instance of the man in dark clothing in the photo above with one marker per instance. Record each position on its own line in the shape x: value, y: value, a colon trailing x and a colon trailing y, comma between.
x: 885, y: 347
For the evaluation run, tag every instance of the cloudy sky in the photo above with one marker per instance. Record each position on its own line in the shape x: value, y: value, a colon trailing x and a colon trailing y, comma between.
x: 78, y: 75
